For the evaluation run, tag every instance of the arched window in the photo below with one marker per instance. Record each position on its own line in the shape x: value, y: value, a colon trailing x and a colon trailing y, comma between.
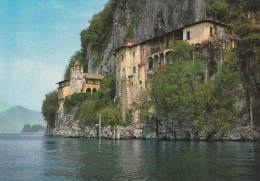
x: 94, y: 90
x: 212, y: 67
x: 88, y: 90
x: 155, y: 60
x: 150, y: 60
x: 161, y: 59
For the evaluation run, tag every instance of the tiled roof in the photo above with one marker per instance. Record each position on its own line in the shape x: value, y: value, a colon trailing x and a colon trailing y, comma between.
x: 93, y: 76
x: 63, y: 81
x: 198, y: 22
x: 77, y: 63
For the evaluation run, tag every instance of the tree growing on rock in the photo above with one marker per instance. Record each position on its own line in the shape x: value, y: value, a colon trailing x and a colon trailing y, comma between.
x: 49, y: 107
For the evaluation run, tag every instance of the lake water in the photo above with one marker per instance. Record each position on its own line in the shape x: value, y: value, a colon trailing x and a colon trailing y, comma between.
x: 35, y: 157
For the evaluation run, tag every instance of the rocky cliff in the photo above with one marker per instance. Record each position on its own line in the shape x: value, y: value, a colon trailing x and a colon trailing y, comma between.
x: 155, y: 17
x: 168, y: 129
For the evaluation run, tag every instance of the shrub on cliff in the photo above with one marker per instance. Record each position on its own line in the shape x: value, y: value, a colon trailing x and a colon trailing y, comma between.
x: 100, y: 28
x: 49, y: 107
x: 180, y: 91
x: 81, y: 58
x: 243, y: 16
x: 75, y: 100
x: 111, y: 116
x: 90, y: 106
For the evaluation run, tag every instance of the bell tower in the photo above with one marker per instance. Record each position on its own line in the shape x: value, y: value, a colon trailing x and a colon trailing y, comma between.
x: 76, y: 78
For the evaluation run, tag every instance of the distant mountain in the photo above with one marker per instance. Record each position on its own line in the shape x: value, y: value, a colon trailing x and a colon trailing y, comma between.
x: 13, y: 119
x: 3, y: 106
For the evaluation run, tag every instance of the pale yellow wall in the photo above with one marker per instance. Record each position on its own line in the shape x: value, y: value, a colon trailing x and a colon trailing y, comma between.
x: 200, y: 32
x: 128, y: 84
x: 91, y: 86
x: 61, y: 103
x: 63, y: 92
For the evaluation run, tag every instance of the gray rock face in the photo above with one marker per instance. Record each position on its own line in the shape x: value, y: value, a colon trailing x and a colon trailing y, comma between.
x: 67, y: 126
x: 157, y: 17
x: 168, y: 129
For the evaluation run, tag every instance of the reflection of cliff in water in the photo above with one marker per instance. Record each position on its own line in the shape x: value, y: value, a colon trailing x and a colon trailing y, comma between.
x: 149, y: 160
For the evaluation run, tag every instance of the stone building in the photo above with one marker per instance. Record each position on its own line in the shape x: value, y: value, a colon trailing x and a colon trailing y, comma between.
x: 78, y: 82
x: 135, y: 62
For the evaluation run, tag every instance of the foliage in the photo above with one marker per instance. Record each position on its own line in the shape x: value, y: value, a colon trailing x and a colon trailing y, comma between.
x: 111, y: 116
x: 217, y: 98
x: 49, y: 107
x: 234, y: 12
x: 107, y: 91
x: 89, y: 106
x: 180, y: 91
x: 100, y: 28
x: 249, y: 51
x: 137, y: 7
x: 251, y: 39
x: 87, y: 111
x: 177, y: 83
x: 219, y: 41
x: 75, y: 100
x: 83, y: 62
x: 243, y: 16
x: 145, y: 106
x: 217, y: 9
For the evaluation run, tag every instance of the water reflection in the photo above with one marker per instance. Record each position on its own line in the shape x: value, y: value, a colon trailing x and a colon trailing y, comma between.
x: 48, y: 158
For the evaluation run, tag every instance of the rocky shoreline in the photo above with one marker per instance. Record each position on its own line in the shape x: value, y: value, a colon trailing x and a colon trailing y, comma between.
x: 66, y: 126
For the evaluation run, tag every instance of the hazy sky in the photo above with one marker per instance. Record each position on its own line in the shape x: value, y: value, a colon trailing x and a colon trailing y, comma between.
x: 37, y: 39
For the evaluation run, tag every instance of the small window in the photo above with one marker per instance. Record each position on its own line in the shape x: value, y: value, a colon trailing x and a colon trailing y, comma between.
x: 140, y: 82
x: 133, y: 54
x: 143, y: 52
x: 134, y: 69
x: 122, y: 57
x: 188, y: 35
x: 211, y: 31
x: 132, y: 83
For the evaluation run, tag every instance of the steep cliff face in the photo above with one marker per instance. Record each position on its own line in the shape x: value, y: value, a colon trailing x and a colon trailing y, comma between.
x: 156, y: 17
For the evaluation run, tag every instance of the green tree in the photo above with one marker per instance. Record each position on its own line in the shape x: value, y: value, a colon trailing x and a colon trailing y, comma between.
x: 75, y: 100
x: 243, y: 16
x: 173, y: 90
x: 81, y: 58
x: 107, y: 92
x: 89, y: 106
x: 218, y: 98
x: 87, y: 111
x: 217, y: 9
x: 179, y: 91
x: 111, y: 116
x: 49, y: 107
x: 99, y: 31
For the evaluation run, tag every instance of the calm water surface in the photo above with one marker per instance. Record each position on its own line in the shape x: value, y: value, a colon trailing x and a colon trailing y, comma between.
x: 35, y: 157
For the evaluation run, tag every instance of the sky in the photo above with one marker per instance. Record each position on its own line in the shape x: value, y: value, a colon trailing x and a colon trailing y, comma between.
x: 37, y: 39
